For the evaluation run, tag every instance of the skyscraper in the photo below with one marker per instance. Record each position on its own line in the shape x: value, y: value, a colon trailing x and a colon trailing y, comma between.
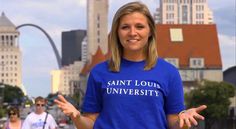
x: 97, y: 26
x: 183, y: 12
x: 71, y: 46
x: 10, y: 54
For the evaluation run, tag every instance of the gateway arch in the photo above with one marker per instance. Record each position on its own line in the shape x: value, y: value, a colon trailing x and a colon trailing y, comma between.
x: 50, y: 40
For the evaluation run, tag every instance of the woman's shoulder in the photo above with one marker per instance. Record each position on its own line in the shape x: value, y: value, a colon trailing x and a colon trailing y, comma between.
x: 165, y: 65
x: 102, y: 66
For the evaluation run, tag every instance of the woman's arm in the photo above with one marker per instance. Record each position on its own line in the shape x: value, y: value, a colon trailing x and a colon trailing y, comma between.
x: 186, y: 119
x: 85, y: 121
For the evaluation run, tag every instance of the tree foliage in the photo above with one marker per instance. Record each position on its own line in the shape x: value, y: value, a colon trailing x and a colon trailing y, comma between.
x: 216, y: 95
x: 12, y: 94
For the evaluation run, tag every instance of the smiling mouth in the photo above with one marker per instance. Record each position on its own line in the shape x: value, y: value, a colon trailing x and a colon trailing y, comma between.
x: 132, y: 40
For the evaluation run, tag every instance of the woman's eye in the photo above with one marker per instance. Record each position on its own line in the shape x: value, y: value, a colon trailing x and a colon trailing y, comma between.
x: 124, y: 27
x: 140, y: 27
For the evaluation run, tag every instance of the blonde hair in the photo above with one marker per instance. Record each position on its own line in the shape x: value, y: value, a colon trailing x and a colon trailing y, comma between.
x: 116, y: 48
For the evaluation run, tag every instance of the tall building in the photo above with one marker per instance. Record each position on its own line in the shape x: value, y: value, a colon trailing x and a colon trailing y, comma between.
x: 97, y: 26
x: 183, y: 12
x: 67, y: 80
x: 10, y: 54
x: 71, y: 46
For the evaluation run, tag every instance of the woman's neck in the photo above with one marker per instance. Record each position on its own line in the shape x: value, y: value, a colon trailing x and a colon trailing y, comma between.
x: 134, y: 56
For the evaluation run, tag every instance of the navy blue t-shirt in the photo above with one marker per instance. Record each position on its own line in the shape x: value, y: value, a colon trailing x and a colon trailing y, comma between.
x: 134, y: 98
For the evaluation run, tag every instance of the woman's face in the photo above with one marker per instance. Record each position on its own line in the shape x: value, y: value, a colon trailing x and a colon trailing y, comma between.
x: 13, y: 116
x: 133, y: 33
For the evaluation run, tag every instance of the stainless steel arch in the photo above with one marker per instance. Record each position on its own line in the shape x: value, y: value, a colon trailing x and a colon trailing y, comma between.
x: 50, y: 40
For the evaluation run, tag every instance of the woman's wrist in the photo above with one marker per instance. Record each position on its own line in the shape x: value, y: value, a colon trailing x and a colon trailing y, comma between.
x: 75, y: 115
x: 184, y: 124
x: 78, y: 115
x: 181, y: 112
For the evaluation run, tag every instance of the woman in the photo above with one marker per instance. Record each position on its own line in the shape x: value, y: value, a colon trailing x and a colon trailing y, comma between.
x: 14, y: 121
x: 134, y: 89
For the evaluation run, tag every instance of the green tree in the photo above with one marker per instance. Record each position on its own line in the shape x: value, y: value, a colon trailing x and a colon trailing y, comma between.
x: 2, y: 112
x: 216, y: 95
x: 13, y: 94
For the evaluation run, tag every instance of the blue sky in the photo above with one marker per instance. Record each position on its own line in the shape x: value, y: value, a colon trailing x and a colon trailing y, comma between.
x: 56, y: 16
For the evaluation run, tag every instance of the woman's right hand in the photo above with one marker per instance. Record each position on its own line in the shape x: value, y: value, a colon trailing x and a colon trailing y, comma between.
x: 66, y: 107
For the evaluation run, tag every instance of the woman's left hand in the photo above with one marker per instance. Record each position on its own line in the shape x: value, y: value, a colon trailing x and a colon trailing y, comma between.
x: 190, y: 116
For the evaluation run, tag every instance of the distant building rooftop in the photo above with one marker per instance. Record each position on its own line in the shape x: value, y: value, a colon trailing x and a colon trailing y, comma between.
x: 4, y: 21
x: 189, y: 41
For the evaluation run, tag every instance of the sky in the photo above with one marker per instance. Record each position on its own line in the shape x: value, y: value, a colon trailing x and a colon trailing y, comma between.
x: 56, y: 16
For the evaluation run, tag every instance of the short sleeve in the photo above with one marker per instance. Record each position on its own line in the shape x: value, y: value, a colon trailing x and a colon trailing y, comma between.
x: 175, y: 98
x: 26, y: 123
x: 52, y: 123
x: 92, y: 102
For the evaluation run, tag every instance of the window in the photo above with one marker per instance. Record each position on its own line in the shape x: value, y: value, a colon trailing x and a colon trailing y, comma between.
x: 173, y: 61
x: 202, y: 16
x: 98, y: 17
x: 176, y: 35
x: 196, y: 62
x: 184, y: 14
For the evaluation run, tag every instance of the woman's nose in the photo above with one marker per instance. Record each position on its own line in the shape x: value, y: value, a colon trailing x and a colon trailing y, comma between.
x: 132, y: 31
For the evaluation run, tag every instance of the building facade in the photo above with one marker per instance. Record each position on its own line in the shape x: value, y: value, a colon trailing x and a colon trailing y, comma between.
x: 97, y: 26
x: 71, y: 46
x: 188, y: 48
x: 65, y: 79
x: 10, y: 53
x: 183, y: 12
x: 84, y: 50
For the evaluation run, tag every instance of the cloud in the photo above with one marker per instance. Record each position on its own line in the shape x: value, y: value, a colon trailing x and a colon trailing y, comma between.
x: 81, y: 3
x: 226, y: 20
x: 228, y: 50
x: 218, y: 4
x: 227, y: 41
